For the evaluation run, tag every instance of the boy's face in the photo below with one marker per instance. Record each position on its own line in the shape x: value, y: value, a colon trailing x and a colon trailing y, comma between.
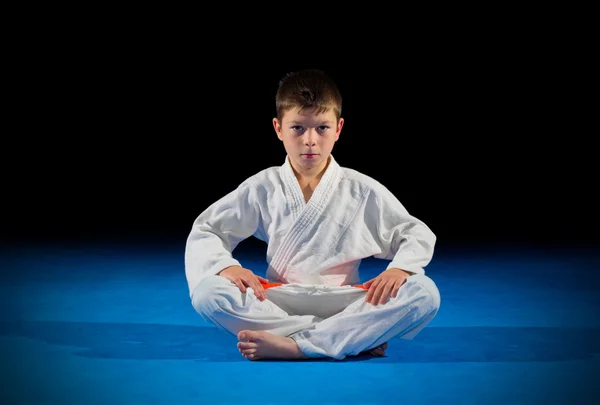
x: 308, y: 137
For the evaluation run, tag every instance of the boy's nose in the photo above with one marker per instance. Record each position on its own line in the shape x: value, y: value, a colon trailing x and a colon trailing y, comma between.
x: 310, y: 138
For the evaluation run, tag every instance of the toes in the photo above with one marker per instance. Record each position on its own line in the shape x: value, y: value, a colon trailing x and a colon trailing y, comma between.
x: 246, y: 345
x: 378, y: 352
x: 251, y: 356
x: 251, y: 335
x: 384, y: 346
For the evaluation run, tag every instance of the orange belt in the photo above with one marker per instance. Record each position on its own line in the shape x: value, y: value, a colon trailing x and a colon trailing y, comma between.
x: 270, y: 285
x: 266, y: 286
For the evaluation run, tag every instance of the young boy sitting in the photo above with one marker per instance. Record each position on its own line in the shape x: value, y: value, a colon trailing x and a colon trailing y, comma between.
x: 319, y: 220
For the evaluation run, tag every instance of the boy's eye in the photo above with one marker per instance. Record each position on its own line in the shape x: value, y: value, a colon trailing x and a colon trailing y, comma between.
x: 323, y: 128
x: 297, y: 128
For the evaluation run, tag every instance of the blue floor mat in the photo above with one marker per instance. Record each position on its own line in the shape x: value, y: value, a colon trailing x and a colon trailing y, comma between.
x: 114, y: 325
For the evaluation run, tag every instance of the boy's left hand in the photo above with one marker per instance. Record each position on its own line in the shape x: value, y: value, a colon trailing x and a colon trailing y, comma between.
x: 385, y: 285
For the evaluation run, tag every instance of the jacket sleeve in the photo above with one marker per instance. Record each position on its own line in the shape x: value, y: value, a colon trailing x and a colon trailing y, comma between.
x: 217, y: 231
x: 405, y: 240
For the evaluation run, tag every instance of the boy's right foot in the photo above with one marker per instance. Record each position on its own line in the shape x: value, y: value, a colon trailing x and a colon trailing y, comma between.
x: 259, y: 345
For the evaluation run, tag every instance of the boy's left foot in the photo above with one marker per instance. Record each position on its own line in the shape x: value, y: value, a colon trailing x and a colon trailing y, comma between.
x: 378, y: 351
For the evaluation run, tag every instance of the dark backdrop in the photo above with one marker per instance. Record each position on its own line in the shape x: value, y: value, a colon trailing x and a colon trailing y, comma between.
x: 131, y: 144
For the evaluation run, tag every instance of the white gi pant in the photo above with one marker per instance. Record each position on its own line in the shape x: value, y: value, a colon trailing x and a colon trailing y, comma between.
x: 324, y: 321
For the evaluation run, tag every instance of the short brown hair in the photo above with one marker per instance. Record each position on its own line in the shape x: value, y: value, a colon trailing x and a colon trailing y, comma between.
x: 308, y: 89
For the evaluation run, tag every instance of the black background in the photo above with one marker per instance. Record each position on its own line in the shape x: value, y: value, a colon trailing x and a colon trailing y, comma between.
x: 126, y: 137
x: 130, y: 141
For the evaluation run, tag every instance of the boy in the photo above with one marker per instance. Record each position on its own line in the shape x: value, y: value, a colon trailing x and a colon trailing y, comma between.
x: 318, y: 220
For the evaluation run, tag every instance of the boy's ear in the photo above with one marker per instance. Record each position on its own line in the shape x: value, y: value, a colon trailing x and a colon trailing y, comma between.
x: 277, y: 127
x: 339, y: 128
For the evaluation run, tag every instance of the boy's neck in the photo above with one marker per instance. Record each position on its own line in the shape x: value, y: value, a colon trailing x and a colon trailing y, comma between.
x: 312, y: 177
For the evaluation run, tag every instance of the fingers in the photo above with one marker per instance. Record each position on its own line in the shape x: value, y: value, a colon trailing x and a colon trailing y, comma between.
x: 244, y: 279
x: 386, y: 291
x: 372, y: 289
x: 377, y: 293
x: 240, y: 285
x: 397, y: 286
x: 383, y: 287
x: 368, y: 283
x: 259, y: 291
x: 380, y: 291
x: 252, y: 281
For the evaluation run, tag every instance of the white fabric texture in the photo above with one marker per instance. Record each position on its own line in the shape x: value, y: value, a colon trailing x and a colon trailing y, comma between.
x: 324, y: 321
x: 315, y: 249
x: 349, y: 217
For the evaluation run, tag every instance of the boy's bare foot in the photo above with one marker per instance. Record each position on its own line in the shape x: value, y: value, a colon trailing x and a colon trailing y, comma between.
x: 259, y: 345
x: 378, y: 351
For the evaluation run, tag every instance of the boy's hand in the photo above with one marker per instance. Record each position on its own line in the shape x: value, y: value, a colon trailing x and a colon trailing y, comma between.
x: 245, y: 278
x: 385, y: 285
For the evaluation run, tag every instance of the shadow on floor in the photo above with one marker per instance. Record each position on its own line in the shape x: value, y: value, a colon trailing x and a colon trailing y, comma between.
x: 433, y: 345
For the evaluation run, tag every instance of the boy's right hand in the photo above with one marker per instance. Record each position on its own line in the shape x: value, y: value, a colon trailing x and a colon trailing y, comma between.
x: 245, y: 278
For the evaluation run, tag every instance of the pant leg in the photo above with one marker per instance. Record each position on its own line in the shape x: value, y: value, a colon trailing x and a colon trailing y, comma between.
x: 362, y: 326
x: 221, y: 303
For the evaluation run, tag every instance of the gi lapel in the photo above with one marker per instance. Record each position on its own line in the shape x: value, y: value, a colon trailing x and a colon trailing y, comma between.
x: 306, y: 214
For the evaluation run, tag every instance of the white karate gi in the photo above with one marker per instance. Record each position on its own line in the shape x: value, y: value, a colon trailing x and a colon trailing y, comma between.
x: 315, y: 249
